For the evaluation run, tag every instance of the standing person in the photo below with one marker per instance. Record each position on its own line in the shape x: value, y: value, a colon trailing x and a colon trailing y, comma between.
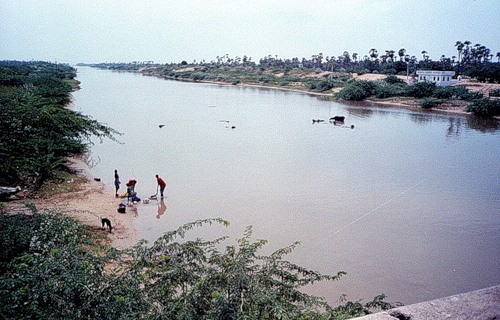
x: 117, y: 183
x: 161, y: 184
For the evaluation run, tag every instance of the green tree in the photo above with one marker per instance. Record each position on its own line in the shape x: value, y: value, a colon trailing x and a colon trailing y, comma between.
x: 484, y: 107
x: 421, y: 89
x: 56, y: 271
x: 401, y: 53
x: 38, y: 131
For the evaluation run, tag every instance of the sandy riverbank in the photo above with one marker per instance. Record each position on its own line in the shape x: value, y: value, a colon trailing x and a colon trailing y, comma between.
x: 87, y: 204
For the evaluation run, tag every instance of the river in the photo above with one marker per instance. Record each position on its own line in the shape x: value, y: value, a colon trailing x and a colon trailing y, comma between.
x: 407, y: 202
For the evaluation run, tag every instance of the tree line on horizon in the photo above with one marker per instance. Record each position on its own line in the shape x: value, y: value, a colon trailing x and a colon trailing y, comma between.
x: 476, y: 61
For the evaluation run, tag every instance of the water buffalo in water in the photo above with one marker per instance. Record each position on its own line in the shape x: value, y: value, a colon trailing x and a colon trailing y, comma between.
x: 337, y: 119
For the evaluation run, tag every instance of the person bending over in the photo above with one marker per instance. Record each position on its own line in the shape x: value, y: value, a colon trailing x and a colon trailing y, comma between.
x: 161, y: 184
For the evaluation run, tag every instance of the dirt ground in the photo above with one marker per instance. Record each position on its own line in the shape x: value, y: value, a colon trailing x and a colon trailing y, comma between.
x: 91, y: 201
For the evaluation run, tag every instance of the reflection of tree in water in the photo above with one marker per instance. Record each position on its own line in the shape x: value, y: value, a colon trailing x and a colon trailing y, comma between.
x: 455, y: 126
x: 360, y: 112
x: 483, y: 125
x: 420, y: 118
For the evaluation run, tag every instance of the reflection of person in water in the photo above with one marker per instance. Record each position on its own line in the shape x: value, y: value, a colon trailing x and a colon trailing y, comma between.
x: 162, y: 207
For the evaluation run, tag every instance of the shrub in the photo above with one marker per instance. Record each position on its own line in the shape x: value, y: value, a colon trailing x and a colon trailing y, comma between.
x: 353, y: 91
x: 421, y: 89
x: 392, y: 79
x: 471, y: 95
x: 266, y: 78
x: 56, y: 272
x: 428, y: 103
x: 321, y: 85
x: 484, y: 107
x: 391, y: 71
x: 198, y: 76
x: 444, y: 92
x: 494, y: 93
x: 389, y: 90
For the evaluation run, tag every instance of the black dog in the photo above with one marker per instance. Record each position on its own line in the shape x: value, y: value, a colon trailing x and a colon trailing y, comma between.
x: 107, y: 222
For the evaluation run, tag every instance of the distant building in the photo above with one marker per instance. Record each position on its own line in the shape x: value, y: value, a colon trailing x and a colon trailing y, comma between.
x: 440, y: 78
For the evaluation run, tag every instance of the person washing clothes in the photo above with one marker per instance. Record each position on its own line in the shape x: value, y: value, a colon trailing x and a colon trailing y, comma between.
x: 161, y: 184
x: 132, y: 182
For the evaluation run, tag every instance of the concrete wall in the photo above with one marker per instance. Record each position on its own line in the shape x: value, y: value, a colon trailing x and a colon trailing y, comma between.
x: 482, y: 304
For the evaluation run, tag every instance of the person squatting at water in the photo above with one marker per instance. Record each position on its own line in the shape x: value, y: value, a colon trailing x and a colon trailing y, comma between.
x: 161, y: 184
x: 117, y: 183
x: 132, y: 182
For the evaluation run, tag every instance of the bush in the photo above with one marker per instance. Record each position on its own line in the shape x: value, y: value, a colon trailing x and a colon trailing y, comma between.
x: 471, y: 95
x: 198, y: 76
x: 494, y: 93
x: 389, y: 90
x: 266, y: 78
x: 421, y: 89
x: 321, y: 85
x: 357, y: 90
x: 392, y: 79
x: 390, y: 71
x: 428, y: 103
x: 484, y: 107
x: 352, y: 92
x: 444, y: 92
x: 54, y: 271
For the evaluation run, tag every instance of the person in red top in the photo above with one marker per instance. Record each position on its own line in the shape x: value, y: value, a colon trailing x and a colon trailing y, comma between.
x: 161, y: 184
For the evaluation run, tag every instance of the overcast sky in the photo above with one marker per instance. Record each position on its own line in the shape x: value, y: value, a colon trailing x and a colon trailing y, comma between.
x: 164, y: 31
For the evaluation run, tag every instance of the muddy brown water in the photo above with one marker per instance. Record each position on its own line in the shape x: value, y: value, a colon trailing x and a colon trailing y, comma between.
x: 407, y: 202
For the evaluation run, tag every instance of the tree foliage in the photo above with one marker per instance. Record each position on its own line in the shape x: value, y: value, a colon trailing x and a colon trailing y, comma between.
x: 357, y: 90
x: 484, y: 107
x: 38, y: 130
x: 53, y: 269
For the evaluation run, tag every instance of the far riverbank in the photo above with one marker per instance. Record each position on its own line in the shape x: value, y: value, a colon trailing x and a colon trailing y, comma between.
x: 404, y: 102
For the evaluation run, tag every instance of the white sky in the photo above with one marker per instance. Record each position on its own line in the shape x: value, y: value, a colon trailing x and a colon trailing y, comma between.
x: 75, y: 31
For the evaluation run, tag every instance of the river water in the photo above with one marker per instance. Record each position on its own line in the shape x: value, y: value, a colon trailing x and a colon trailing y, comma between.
x: 407, y: 203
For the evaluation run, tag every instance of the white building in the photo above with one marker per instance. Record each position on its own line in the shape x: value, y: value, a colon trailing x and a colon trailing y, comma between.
x: 440, y: 78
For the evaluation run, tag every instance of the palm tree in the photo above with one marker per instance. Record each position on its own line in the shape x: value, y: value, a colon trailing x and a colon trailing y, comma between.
x: 467, y: 52
x: 390, y: 55
x: 373, y: 53
x: 460, y: 47
x: 498, y: 56
x: 401, y: 53
x: 424, y: 55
